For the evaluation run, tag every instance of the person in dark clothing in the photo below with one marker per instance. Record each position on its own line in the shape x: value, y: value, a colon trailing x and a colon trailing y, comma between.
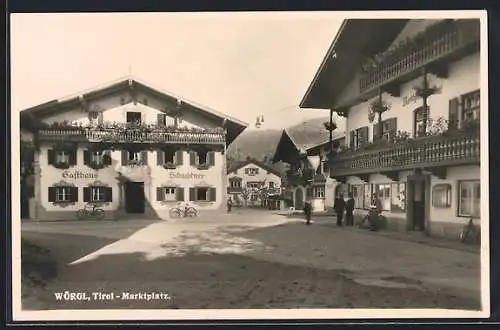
x: 308, y: 211
x: 349, y: 209
x: 229, y: 204
x: 339, y: 206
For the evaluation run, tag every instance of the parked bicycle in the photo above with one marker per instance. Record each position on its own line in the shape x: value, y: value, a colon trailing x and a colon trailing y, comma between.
x: 90, y: 211
x: 470, y: 233
x: 185, y: 211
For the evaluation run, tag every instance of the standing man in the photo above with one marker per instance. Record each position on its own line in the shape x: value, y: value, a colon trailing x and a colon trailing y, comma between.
x: 339, y: 206
x: 229, y: 204
x: 308, y: 211
x: 349, y: 209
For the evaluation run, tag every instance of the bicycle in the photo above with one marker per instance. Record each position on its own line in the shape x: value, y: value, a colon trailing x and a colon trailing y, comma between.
x: 183, y: 212
x: 470, y: 233
x: 93, y: 212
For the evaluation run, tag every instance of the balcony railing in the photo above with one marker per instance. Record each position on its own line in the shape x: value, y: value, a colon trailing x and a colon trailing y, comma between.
x: 132, y: 136
x: 449, y: 37
x: 234, y: 190
x: 434, y: 151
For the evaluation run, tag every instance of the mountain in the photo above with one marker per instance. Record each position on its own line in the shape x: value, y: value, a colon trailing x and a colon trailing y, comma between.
x: 260, y: 143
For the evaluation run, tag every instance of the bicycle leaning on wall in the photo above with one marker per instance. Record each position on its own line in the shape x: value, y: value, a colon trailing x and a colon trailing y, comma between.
x: 90, y: 211
x: 470, y: 233
x: 183, y: 211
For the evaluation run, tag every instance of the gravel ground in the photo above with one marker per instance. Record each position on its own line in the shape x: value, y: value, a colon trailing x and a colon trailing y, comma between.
x: 198, y: 280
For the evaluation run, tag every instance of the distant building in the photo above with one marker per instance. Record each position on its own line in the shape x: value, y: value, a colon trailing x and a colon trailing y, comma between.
x: 308, y: 173
x: 253, y: 183
x: 128, y: 148
x: 422, y: 160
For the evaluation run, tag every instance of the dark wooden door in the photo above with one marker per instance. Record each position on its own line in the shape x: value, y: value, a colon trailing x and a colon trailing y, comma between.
x: 134, y: 197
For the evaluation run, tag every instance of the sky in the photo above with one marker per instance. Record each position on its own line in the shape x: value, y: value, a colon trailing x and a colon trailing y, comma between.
x: 241, y: 64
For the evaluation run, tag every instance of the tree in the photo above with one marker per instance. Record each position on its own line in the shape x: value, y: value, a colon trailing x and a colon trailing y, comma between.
x: 245, y: 194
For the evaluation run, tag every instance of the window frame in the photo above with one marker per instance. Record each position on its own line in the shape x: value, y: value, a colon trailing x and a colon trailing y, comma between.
x: 459, y: 199
x: 166, y: 192
x: 197, y: 191
x: 376, y: 188
x: 133, y: 122
x: 448, y: 198
x: 360, y: 188
x: 100, y: 191
x: 476, y: 110
x: 319, y: 192
x: 66, y: 154
x: 66, y: 193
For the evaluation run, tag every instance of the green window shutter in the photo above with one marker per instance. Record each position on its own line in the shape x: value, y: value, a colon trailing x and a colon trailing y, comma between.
x: 211, y: 158
x: 86, y: 194
x: 160, y: 194
x: 453, y: 106
x: 52, y: 194
x: 50, y: 157
x: 124, y: 157
x: 192, y: 194
x: 160, y: 157
x: 192, y: 158
x: 108, y: 194
x: 179, y: 194
x: 179, y: 155
x: 144, y: 157
x: 212, y: 194
x: 86, y: 157
x: 74, y: 194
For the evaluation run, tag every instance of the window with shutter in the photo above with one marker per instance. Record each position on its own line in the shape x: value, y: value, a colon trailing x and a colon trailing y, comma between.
x: 86, y: 157
x: 160, y: 157
x: 97, y: 194
x: 161, y: 120
x: 192, y: 158
x: 107, y: 158
x: 179, y: 192
x: 179, y: 155
x: 50, y: 157
x: 351, y: 139
x: 211, y: 158
x: 74, y: 194
x: 124, y: 157
x: 453, y: 114
x: 108, y: 194
x: 73, y: 157
x: 212, y: 194
x: 144, y: 157
x: 192, y: 194
x: 86, y: 194
x: 160, y: 194
x: 52, y: 194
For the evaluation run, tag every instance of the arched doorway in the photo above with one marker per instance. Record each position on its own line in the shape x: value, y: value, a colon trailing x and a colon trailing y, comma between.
x: 299, y: 199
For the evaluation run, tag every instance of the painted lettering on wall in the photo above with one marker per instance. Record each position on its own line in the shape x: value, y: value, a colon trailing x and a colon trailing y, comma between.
x: 190, y: 175
x: 79, y: 175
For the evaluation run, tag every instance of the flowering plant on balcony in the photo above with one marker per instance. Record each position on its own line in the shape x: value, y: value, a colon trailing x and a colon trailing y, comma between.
x: 330, y: 126
x: 377, y: 106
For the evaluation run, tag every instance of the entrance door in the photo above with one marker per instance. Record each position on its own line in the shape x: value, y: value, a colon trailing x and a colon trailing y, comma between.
x: 299, y: 199
x: 134, y: 197
x: 417, y: 202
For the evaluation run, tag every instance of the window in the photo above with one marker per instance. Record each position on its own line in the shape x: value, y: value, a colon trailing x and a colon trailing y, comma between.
x: 441, y: 196
x: 383, y: 192
x: 169, y: 194
x: 202, y: 194
x: 419, y: 121
x: 97, y: 157
x: 469, y: 203
x: 62, y: 157
x: 97, y: 194
x: 202, y: 157
x: 359, y: 137
x: 367, y: 191
x: 133, y: 118
x: 389, y: 128
x: 169, y: 156
x: 134, y: 156
x: 357, y: 195
x: 253, y: 185
x: 251, y: 171
x: 319, y: 192
x: 271, y: 185
x: 63, y: 194
x: 471, y: 105
x: 398, y: 198
x: 235, y: 183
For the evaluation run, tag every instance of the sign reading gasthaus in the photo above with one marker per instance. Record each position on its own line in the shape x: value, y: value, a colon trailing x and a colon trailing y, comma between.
x: 79, y: 175
x: 190, y: 175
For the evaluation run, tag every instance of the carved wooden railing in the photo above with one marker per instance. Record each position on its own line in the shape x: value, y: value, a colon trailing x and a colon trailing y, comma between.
x: 423, y: 152
x: 132, y: 136
x: 452, y: 37
x: 234, y: 189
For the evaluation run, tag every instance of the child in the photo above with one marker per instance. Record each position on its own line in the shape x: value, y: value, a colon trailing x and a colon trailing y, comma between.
x: 308, y: 211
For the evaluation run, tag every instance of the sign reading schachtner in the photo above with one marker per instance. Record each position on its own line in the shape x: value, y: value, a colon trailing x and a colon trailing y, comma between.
x: 189, y: 175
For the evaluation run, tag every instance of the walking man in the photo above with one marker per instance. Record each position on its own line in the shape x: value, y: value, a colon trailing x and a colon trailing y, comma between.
x: 349, y: 209
x: 339, y: 206
x: 308, y: 211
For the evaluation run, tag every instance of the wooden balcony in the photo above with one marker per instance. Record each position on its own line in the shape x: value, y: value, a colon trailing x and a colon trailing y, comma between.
x: 433, y: 153
x: 442, y: 42
x: 110, y: 135
x: 234, y: 190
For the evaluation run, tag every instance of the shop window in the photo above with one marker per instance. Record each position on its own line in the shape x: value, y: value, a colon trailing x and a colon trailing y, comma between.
x: 170, y: 194
x: 469, y: 203
x: 63, y: 194
x: 398, y: 198
x: 97, y: 194
x: 441, y: 196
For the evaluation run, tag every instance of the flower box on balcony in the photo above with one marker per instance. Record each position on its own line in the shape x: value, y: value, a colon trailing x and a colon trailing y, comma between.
x: 170, y: 166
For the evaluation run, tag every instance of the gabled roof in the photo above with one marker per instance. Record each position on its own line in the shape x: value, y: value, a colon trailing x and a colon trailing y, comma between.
x: 356, y: 40
x: 234, y: 126
x: 255, y: 162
